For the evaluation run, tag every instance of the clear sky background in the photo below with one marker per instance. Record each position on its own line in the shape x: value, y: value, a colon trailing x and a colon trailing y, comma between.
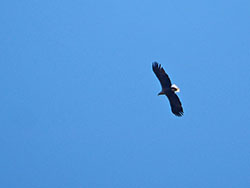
x: 79, y: 105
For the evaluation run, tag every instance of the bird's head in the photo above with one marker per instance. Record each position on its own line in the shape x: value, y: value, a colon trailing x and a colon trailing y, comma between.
x: 175, y: 89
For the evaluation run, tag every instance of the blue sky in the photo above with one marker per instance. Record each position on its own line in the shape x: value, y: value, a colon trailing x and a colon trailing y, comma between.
x: 79, y: 104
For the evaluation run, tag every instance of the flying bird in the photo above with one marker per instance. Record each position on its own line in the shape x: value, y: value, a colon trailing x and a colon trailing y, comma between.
x: 168, y: 89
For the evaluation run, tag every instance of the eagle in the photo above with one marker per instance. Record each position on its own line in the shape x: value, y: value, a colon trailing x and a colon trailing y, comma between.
x: 168, y: 89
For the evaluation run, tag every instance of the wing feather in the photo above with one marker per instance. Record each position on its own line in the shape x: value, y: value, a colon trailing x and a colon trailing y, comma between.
x: 175, y: 104
x: 161, y: 75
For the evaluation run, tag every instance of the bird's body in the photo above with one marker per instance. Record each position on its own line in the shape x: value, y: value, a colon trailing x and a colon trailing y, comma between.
x: 168, y: 89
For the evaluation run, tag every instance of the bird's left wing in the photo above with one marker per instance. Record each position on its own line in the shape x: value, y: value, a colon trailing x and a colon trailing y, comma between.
x: 175, y: 103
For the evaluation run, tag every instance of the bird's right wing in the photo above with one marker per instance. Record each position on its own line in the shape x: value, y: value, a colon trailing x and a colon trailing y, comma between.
x: 161, y: 75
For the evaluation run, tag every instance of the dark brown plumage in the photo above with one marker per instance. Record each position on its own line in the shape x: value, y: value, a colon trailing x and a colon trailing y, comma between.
x: 168, y: 89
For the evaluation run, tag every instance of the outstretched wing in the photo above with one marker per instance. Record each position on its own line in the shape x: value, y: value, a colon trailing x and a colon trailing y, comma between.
x: 161, y: 75
x: 175, y: 104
